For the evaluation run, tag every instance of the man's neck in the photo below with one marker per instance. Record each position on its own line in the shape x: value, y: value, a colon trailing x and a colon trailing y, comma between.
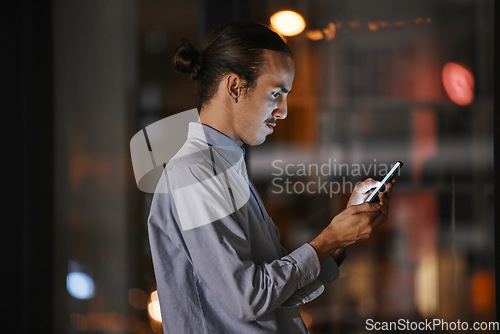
x: 219, y: 118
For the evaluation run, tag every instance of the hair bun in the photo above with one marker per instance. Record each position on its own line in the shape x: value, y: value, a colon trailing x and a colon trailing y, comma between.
x: 187, y: 59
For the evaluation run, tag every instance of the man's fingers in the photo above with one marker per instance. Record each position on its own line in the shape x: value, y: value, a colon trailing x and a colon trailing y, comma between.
x: 364, y: 207
x: 367, y: 185
x: 383, y: 214
x: 388, y: 189
x: 386, y: 194
x: 384, y: 197
x: 379, y: 219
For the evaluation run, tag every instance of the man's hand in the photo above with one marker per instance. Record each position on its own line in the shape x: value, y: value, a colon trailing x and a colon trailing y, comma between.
x: 354, y: 223
x: 363, y: 190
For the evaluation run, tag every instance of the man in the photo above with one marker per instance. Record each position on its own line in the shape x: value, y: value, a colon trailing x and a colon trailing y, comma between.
x: 218, y: 261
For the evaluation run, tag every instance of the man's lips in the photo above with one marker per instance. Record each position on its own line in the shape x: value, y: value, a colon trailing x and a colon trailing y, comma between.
x: 271, y: 123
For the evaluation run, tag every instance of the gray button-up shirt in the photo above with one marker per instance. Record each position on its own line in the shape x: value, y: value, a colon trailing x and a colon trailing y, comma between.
x: 216, y: 252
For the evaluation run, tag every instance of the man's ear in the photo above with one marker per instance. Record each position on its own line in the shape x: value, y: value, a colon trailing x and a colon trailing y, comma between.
x: 234, y: 87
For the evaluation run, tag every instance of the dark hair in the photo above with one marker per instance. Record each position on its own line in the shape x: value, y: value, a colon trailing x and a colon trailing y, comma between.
x: 231, y: 48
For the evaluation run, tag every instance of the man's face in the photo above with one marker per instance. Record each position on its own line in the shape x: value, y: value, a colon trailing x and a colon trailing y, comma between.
x: 261, y: 106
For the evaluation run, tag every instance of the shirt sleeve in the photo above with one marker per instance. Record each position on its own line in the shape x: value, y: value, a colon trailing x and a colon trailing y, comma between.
x: 221, y: 254
x: 329, y: 272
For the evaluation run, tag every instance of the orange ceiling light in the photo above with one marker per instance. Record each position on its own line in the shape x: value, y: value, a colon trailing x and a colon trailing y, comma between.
x: 288, y: 23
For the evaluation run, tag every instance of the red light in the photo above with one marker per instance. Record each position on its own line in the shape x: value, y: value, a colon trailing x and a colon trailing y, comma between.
x: 458, y: 83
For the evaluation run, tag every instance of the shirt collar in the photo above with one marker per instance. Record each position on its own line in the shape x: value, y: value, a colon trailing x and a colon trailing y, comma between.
x: 227, y: 147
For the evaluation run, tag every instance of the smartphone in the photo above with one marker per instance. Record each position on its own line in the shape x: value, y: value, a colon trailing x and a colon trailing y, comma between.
x: 374, y: 195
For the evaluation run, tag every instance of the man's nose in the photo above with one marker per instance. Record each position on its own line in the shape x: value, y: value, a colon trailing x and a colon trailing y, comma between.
x: 281, y: 111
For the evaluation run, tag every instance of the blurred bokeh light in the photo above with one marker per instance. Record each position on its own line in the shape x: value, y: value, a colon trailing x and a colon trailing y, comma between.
x: 458, y: 82
x: 288, y: 23
x: 154, y: 307
x: 138, y: 298
x: 80, y: 285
